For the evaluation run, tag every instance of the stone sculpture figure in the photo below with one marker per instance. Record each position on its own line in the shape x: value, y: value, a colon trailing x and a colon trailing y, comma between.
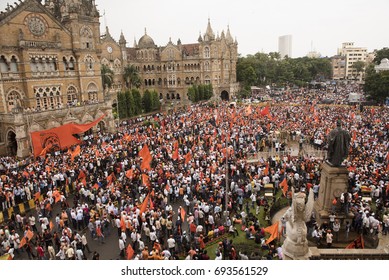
x: 295, y: 246
x: 338, y: 145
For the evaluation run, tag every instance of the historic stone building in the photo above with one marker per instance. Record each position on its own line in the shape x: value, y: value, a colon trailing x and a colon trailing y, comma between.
x: 49, y: 70
x: 171, y: 69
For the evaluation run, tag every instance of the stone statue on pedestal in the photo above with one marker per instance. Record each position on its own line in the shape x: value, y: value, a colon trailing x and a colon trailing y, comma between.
x: 295, y: 246
x: 338, y: 145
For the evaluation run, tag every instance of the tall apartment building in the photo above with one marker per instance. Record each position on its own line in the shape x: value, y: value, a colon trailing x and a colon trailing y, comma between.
x: 285, y: 45
x: 351, y: 53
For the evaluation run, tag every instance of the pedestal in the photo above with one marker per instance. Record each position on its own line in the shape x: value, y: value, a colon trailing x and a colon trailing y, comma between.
x: 333, y: 182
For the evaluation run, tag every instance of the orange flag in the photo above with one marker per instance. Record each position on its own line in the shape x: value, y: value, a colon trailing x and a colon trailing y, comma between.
x: 273, y: 230
x: 81, y: 174
x: 129, y: 173
x: 358, y: 243
x: 248, y: 110
x: 37, y: 195
x: 130, y: 252
x: 22, y: 242
x: 146, y: 157
x: 96, y: 186
x: 76, y: 152
x: 265, y: 111
x: 29, y: 234
x: 143, y: 207
x: 51, y: 225
x: 188, y: 157
x: 284, y: 186
x: 175, y: 154
x: 266, y: 170
x: 111, y: 178
x: 182, y: 214
x: 145, y: 180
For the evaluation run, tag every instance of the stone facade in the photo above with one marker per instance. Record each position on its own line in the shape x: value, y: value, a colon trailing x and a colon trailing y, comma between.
x: 49, y: 70
x: 171, y: 69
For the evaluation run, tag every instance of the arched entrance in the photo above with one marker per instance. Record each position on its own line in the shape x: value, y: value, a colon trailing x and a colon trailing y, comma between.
x: 101, y: 127
x: 12, y: 144
x: 225, y: 96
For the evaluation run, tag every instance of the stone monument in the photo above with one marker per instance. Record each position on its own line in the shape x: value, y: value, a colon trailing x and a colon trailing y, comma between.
x: 334, y: 176
x: 295, y: 246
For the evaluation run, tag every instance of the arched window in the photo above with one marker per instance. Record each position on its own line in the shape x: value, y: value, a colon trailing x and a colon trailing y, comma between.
x: 92, y: 91
x: 13, y: 99
x: 206, y: 66
x: 89, y: 64
x: 13, y: 65
x: 71, y: 95
x: 3, y: 64
x: 207, y: 52
x: 207, y: 80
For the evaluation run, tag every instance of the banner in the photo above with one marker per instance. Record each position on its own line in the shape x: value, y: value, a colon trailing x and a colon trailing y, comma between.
x: 59, y: 138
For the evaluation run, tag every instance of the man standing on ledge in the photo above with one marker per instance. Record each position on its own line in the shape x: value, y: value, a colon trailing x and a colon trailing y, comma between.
x: 338, y: 145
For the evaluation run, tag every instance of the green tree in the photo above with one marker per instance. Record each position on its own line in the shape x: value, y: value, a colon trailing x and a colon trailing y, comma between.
x: 122, y: 105
x: 137, y: 101
x: 130, y: 104
x: 131, y: 77
x: 377, y: 85
x: 146, y: 101
x: 106, y: 76
x: 381, y: 54
x: 358, y: 66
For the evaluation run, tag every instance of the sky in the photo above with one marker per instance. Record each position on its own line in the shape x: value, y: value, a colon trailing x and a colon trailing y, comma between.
x: 320, y: 26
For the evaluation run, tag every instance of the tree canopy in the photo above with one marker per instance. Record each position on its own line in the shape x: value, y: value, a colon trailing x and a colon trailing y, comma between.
x: 265, y: 69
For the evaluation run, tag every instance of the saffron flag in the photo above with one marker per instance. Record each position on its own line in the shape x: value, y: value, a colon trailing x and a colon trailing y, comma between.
x: 265, y: 111
x: 129, y: 173
x: 146, y: 158
x: 59, y: 138
x: 284, y: 186
x: 37, y: 195
x: 76, y: 152
x: 188, y: 157
x: 182, y: 214
x: 29, y: 235
x: 358, y: 243
x: 81, y: 174
x: 145, y: 180
x: 144, y: 204
x: 111, y: 178
x: 23, y: 242
x: 130, y: 252
x: 175, y: 154
x: 273, y: 230
x: 266, y: 170
x: 57, y: 196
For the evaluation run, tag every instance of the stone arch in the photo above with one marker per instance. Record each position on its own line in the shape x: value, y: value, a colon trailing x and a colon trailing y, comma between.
x: 11, y: 142
x: 224, y: 95
x: 14, y: 98
x: 92, y: 91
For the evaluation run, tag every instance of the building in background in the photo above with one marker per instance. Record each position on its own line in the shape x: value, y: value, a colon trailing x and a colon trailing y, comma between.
x: 285, y: 46
x: 352, y: 54
x: 50, y: 71
x: 338, y: 63
x: 171, y: 69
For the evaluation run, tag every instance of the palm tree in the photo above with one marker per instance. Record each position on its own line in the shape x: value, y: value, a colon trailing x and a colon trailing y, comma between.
x: 106, y: 76
x: 131, y: 76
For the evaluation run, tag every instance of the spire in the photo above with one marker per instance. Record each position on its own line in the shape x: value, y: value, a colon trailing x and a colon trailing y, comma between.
x: 209, y: 35
x: 135, y: 44
x: 122, y: 40
x: 145, y: 31
x: 229, y: 38
x: 200, y: 39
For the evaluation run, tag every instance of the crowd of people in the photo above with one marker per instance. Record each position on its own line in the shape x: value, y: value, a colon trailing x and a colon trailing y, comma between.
x: 158, y: 183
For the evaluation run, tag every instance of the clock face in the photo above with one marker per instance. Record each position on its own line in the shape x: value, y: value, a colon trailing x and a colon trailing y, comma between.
x: 36, y: 26
x: 109, y: 49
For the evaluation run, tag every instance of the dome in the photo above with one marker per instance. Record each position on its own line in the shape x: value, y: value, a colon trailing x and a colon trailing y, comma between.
x: 146, y: 42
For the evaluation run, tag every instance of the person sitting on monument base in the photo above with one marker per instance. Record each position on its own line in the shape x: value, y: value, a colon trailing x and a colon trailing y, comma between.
x: 338, y: 145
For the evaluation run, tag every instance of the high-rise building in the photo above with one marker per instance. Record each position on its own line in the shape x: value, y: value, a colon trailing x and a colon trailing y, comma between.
x: 285, y: 45
x: 50, y: 71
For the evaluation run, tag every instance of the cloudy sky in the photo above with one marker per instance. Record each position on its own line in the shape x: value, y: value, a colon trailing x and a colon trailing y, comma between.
x: 314, y: 25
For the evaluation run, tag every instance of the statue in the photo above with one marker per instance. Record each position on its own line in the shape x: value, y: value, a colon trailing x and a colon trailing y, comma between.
x: 295, y: 246
x: 338, y: 145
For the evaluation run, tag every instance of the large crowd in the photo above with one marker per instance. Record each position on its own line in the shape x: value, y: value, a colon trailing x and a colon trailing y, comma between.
x: 172, y: 207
